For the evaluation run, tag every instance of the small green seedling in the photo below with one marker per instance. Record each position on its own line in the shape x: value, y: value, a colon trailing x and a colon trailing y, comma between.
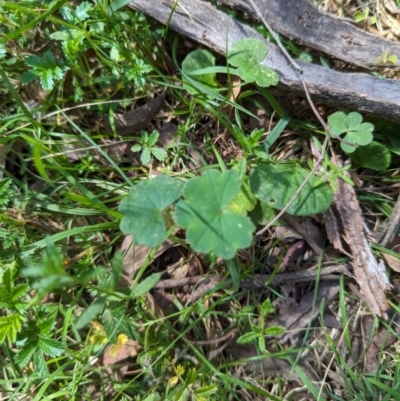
x: 259, y: 331
x: 247, y: 55
x: 331, y: 172
x: 356, y: 132
x: 360, y: 16
x: 146, y: 145
x: 46, y: 68
x: 386, y: 59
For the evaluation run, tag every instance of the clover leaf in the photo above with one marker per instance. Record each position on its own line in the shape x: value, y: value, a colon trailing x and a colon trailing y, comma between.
x: 143, y: 207
x: 247, y: 54
x: 357, y: 132
x: 276, y: 185
x: 211, y: 226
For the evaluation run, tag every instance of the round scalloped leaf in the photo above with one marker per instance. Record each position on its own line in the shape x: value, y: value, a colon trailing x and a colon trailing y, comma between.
x: 143, y: 207
x: 211, y: 226
x: 248, y: 51
x: 276, y: 184
x: 374, y: 156
x: 195, y: 61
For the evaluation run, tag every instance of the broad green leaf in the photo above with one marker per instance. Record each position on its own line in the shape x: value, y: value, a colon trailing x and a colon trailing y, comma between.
x: 374, y: 156
x: 146, y: 285
x: 143, y: 207
x: 247, y: 54
x: 247, y: 337
x: 51, y: 347
x: 211, y: 226
x: 24, y: 356
x: 356, y: 131
x: 198, y: 60
x: 276, y: 184
x: 263, y: 213
x: 10, y: 325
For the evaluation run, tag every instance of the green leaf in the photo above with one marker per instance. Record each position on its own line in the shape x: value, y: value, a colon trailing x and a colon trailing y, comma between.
x: 211, y: 226
x: 234, y: 271
x: 145, y: 156
x: 27, y: 77
x: 90, y: 313
x: 374, y: 156
x: 82, y: 9
x: 117, y: 268
x: 67, y: 34
x: 40, y: 364
x: 10, y: 325
x: 274, y: 331
x: 136, y: 148
x: 51, y: 347
x: 266, y: 308
x: 244, y: 201
x: 46, y: 80
x: 357, y: 132
x: 276, y: 184
x: 152, y: 139
x: 146, y: 285
x: 143, y: 209
x: 247, y: 54
x: 247, y: 337
x: 24, y: 356
x: 158, y: 153
x: 198, y: 60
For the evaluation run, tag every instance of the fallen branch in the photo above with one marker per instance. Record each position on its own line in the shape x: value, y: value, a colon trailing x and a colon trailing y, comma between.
x: 213, y: 28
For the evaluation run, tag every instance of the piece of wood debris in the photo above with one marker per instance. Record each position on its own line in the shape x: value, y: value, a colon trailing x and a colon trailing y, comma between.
x: 368, y: 272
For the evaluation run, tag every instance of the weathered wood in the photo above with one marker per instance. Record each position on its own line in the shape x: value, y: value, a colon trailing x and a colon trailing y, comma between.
x: 302, y: 22
x: 213, y: 28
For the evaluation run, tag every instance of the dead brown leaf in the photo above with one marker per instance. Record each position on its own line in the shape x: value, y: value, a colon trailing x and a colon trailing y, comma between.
x: 117, y: 353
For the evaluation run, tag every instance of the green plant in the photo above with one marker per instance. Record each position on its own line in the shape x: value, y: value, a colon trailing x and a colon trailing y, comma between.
x: 356, y: 132
x: 247, y: 55
x: 276, y: 184
x: 360, y: 16
x: 386, y: 59
x: 259, y: 331
x: 46, y: 68
x: 211, y: 226
x: 146, y: 145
